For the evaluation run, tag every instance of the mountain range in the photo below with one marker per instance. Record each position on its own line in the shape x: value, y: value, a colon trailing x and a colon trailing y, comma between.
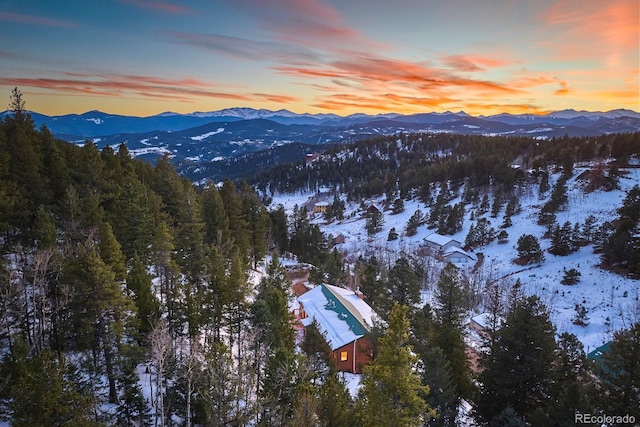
x: 210, y: 141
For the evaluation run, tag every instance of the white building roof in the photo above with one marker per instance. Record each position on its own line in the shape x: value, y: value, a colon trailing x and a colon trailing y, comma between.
x: 456, y: 250
x: 439, y: 239
x: 483, y: 320
x: 342, y: 316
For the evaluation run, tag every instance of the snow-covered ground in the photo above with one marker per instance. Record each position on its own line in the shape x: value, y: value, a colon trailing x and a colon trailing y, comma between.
x: 604, y: 294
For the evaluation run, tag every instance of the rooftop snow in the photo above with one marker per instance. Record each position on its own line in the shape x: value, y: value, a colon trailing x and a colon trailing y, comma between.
x: 342, y: 316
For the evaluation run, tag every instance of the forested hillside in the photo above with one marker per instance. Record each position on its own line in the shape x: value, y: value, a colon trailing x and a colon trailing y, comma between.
x: 132, y: 297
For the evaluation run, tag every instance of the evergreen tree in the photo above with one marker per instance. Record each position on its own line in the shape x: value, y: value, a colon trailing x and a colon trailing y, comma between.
x: 496, y: 206
x: 37, y: 390
x: 371, y: 284
x: 17, y: 105
x: 318, y: 352
x: 222, y: 390
x: 529, y: 250
x: 572, y: 387
x: 275, y: 340
x: 619, y: 374
x: 398, y: 206
x: 216, y: 228
x: 335, y: 407
x: 414, y: 222
x: 393, y: 235
x: 544, y: 184
x: 443, y: 395
x: 517, y: 369
x: 374, y: 222
x: 589, y: 228
x: 279, y: 228
x: 148, y: 307
x: 258, y: 223
x: 133, y: 408
x: 571, y: 276
x: 391, y: 393
x: 561, y: 241
x: 404, y: 284
x: 111, y: 253
x: 448, y: 334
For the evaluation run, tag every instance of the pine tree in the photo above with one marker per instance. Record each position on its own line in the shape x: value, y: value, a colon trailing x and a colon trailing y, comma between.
x: 448, y: 330
x: 222, y: 390
x: 275, y: 340
x: 443, y: 395
x: 529, y: 250
x: 374, y: 222
x: 392, y: 393
x: 148, y: 307
x: 398, y: 206
x: 133, y: 408
x: 37, y: 390
x: 619, y: 374
x: 561, y: 241
x: 393, y: 235
x: 414, y: 222
x: 404, y: 284
x: 111, y: 253
x: 572, y: 387
x: 517, y: 369
x: 216, y: 229
x: 318, y: 352
x: 335, y: 407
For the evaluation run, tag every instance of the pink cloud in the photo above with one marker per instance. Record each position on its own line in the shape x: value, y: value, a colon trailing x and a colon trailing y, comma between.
x: 159, y: 6
x: 471, y: 63
x: 35, y: 20
x: 307, y: 22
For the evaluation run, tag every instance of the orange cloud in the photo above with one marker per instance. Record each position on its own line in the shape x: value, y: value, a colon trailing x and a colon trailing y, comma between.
x: 564, y: 89
x: 118, y: 85
x: 595, y: 27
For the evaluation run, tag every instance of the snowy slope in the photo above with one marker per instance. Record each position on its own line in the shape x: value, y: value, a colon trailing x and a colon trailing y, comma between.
x: 601, y: 292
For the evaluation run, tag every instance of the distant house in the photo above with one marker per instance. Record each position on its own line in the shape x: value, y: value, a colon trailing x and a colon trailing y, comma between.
x: 438, y: 243
x: 458, y: 256
x: 345, y: 319
x: 340, y: 238
x: 373, y: 208
x: 311, y: 157
x: 320, y: 207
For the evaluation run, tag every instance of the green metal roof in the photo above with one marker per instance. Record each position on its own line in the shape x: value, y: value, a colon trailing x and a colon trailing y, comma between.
x: 345, y: 311
x: 598, y: 352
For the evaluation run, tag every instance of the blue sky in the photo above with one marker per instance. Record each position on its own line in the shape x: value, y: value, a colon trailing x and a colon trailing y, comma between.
x: 144, y: 57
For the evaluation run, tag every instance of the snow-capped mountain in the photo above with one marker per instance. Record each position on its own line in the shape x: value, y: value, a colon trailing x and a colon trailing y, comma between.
x: 201, y: 138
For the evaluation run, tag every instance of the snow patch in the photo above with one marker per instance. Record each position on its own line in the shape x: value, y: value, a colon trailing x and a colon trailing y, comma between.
x: 207, y: 135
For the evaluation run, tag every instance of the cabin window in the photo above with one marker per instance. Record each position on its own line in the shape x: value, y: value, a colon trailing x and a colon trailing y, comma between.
x: 343, y: 356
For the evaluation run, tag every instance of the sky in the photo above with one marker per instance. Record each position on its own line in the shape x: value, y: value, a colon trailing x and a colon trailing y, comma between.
x: 145, y: 57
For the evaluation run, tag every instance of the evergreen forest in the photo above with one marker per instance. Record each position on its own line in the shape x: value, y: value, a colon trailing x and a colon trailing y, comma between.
x: 132, y: 297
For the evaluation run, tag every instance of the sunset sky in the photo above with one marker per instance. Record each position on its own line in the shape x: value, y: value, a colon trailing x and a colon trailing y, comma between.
x: 144, y: 57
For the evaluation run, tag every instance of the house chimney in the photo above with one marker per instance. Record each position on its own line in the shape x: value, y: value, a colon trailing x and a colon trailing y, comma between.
x: 359, y: 293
